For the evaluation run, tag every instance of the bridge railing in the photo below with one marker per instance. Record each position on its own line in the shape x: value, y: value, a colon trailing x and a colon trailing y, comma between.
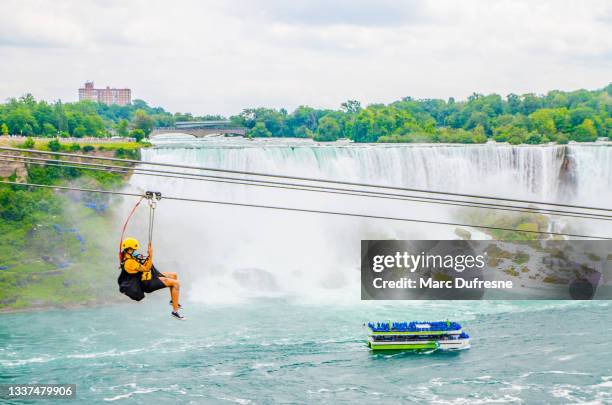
x: 200, y: 127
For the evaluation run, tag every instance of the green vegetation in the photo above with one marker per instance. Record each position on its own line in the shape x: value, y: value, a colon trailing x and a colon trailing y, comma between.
x: 557, y: 116
x: 128, y: 150
x: 511, y: 271
x: 520, y: 258
x: 525, y: 223
x: 54, y: 145
x: 138, y: 134
x: 54, y: 248
x: 26, y: 116
x: 28, y: 143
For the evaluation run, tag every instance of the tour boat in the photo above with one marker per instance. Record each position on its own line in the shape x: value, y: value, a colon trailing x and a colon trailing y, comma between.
x: 442, y: 335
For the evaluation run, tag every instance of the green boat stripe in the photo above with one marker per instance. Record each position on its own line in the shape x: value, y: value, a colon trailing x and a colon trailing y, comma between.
x: 403, y: 347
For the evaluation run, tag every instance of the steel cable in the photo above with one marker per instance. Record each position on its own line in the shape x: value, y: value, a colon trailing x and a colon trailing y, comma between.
x: 249, y: 173
x: 235, y: 204
x: 293, y: 186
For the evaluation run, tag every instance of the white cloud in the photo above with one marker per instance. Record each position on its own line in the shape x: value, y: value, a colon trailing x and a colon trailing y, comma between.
x: 218, y: 56
x: 337, y: 12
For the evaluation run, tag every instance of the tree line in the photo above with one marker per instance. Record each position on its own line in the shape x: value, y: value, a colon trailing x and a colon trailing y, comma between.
x: 558, y: 116
x: 29, y: 117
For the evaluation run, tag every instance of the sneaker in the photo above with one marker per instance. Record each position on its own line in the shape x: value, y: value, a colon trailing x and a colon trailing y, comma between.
x: 180, y: 306
x: 178, y: 316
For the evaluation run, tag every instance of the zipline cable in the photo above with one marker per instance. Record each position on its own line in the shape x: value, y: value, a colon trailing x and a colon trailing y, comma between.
x: 305, y: 179
x: 293, y: 186
x: 272, y: 207
x: 401, y: 197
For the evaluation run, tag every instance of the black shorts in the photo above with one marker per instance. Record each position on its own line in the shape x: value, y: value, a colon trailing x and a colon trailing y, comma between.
x: 152, y: 285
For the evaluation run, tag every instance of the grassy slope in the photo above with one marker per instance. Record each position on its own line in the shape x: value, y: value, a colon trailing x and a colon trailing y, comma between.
x: 47, y: 267
x: 42, y: 265
x: 41, y: 144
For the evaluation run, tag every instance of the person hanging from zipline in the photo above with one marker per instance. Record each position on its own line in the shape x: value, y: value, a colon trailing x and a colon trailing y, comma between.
x: 138, y: 274
x: 141, y: 270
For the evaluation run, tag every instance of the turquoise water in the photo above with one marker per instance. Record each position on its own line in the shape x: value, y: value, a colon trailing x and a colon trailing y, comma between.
x: 246, y: 342
x: 269, y: 351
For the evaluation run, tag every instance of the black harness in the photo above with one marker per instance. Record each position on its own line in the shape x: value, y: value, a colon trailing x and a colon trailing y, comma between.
x: 129, y: 284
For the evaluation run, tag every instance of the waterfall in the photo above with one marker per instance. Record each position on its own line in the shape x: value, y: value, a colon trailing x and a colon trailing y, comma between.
x: 229, y: 253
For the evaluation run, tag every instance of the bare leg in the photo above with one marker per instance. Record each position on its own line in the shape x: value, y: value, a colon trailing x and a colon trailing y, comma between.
x: 170, y: 275
x: 174, y: 286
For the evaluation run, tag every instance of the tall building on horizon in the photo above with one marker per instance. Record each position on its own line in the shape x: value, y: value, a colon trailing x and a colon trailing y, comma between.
x: 107, y: 96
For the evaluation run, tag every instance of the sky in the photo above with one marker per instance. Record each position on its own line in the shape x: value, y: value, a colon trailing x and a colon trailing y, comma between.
x: 214, y: 56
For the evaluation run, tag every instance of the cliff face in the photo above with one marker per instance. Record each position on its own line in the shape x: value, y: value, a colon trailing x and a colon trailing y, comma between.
x: 8, y: 168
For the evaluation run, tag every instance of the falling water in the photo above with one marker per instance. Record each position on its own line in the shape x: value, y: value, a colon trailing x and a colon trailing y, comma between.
x: 224, y: 249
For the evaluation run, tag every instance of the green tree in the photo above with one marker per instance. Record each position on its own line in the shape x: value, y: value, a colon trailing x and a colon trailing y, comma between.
x: 406, y: 120
x: 607, y: 126
x: 351, y: 106
x: 363, y: 129
x: 533, y: 138
x: 49, y: 129
x: 4, y: 129
x: 54, y: 145
x: 259, y: 131
x: 579, y: 114
x: 542, y: 121
x: 303, y: 116
x: 585, y: 132
x: 79, y: 131
x: 122, y: 128
x: 138, y: 134
x: 506, y: 132
x: 21, y: 121
x: 515, y: 140
x: 479, y: 131
x: 303, y: 132
x: 328, y: 130
x: 59, y: 116
x: 142, y: 121
x: 530, y: 103
x: 513, y: 103
x: 94, y: 125
x: 28, y: 143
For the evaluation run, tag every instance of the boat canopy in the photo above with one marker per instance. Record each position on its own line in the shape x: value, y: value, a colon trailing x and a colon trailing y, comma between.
x: 415, y: 326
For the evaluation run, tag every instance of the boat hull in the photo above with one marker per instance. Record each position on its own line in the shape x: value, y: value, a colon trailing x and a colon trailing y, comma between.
x: 445, y: 345
x: 455, y: 344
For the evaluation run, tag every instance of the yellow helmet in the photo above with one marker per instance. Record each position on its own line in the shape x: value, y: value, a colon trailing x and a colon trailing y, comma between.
x: 130, y: 243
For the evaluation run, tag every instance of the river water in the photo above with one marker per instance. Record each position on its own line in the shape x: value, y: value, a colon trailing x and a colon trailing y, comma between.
x: 275, y: 350
x: 273, y: 297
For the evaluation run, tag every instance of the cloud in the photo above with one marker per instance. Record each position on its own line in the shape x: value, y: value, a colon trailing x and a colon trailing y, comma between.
x: 30, y: 28
x: 66, y: 24
x: 338, y: 12
x: 219, y: 56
